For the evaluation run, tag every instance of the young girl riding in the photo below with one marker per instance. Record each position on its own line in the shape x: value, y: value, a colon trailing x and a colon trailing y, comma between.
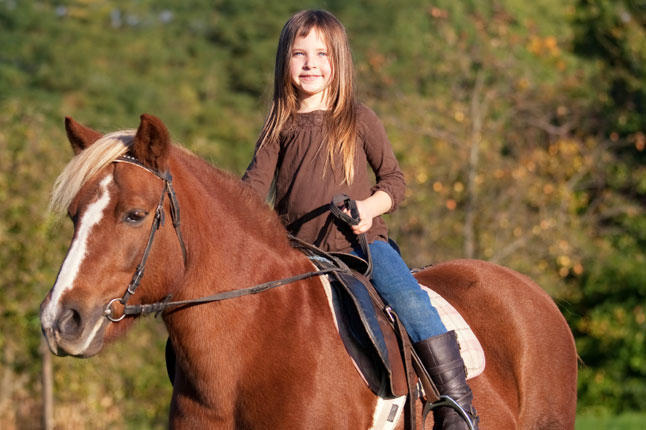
x: 315, y: 144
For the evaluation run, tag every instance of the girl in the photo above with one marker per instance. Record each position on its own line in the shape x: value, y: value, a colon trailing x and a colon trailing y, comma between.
x: 314, y: 145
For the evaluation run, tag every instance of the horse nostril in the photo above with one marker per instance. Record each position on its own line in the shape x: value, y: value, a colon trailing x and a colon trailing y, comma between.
x: 69, y: 324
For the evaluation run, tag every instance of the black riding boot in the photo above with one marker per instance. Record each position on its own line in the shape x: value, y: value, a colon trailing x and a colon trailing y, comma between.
x: 441, y: 357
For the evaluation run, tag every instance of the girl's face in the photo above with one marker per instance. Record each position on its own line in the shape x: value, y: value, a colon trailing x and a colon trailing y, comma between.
x: 310, y: 70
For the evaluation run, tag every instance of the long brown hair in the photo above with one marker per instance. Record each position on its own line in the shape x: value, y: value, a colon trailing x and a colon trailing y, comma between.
x: 340, y: 124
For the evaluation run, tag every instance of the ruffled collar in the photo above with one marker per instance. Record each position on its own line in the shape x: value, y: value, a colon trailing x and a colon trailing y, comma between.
x: 314, y: 118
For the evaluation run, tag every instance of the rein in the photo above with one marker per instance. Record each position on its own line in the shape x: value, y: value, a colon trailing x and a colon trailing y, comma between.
x: 341, y: 201
x: 157, y: 307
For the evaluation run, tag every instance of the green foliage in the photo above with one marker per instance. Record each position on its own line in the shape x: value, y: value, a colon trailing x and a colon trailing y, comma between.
x: 131, y: 389
x: 610, y: 334
x: 29, y: 248
x: 613, y: 32
x: 519, y: 125
x: 608, y: 316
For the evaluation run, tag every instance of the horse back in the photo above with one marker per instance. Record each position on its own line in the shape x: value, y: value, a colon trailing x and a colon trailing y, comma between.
x: 529, y: 348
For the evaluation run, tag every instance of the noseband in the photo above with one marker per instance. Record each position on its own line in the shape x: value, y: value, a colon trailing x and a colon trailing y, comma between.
x: 158, y: 221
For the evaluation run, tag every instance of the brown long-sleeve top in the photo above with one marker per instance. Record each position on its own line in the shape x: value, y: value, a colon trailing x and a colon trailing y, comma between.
x: 305, y: 183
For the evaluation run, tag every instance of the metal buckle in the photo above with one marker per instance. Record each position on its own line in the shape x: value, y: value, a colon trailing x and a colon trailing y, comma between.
x: 390, y: 312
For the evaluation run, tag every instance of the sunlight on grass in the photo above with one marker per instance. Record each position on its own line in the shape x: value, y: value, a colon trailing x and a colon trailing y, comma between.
x: 630, y: 421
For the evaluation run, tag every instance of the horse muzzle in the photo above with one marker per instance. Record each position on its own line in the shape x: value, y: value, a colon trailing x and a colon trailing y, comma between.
x: 70, y: 330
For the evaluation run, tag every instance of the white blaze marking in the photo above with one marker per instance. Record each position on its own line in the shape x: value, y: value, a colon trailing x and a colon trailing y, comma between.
x: 77, y: 253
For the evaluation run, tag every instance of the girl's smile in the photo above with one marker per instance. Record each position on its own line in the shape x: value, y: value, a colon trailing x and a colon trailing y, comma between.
x: 310, y: 71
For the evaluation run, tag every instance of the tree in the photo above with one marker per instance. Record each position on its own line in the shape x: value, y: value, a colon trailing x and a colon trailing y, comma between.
x: 607, y: 305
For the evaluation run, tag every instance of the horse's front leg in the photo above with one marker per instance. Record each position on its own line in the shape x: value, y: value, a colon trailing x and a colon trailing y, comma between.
x: 190, y: 409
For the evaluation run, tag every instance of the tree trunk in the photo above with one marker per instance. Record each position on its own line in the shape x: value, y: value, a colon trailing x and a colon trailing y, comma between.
x: 48, y: 386
x: 477, y: 114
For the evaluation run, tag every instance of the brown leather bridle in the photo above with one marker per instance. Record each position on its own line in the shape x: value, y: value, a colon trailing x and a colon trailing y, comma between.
x: 158, y: 221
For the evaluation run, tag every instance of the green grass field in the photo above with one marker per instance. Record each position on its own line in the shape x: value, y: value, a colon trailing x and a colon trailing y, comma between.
x: 604, y: 422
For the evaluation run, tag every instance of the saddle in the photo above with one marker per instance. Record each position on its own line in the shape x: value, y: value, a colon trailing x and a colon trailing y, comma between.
x: 375, y: 339
x: 364, y: 327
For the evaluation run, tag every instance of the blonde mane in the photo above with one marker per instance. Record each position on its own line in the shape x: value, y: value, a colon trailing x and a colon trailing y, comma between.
x: 85, y: 165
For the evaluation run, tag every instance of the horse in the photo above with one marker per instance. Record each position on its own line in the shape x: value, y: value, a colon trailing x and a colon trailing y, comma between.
x: 272, y: 359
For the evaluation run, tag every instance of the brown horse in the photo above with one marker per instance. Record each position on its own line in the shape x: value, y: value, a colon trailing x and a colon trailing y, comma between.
x: 274, y: 359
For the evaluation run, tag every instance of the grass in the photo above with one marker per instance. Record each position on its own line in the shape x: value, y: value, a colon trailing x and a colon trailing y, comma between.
x: 628, y: 421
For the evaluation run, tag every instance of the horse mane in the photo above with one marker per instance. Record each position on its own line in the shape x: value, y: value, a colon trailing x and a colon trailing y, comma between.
x: 254, y: 214
x: 85, y: 164
x: 113, y: 145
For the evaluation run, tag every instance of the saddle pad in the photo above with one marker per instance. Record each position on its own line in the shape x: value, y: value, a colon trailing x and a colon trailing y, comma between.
x: 470, y: 348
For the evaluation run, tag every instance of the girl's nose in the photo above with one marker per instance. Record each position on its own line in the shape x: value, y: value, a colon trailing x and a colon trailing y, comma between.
x: 310, y: 63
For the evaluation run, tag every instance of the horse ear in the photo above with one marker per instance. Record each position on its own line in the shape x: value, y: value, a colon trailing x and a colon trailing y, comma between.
x: 80, y: 136
x: 151, y: 143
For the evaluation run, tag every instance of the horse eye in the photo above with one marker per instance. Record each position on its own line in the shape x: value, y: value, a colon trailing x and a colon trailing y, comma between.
x: 135, y: 216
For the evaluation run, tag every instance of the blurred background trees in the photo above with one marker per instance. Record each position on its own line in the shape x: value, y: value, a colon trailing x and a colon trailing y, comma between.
x: 520, y: 127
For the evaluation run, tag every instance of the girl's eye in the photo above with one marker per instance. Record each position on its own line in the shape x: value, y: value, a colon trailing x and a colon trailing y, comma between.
x: 135, y: 216
x: 324, y: 54
x: 297, y: 53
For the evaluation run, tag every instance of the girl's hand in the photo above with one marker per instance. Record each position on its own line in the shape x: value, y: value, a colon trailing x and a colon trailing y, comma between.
x: 375, y: 205
x: 365, y: 218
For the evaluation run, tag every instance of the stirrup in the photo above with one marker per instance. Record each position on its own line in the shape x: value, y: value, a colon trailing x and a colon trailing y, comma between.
x: 447, y: 401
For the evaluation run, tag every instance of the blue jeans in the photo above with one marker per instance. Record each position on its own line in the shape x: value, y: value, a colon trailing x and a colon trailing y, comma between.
x: 399, y: 289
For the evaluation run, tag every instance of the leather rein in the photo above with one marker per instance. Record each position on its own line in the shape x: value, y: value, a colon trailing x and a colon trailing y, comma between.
x: 158, y: 221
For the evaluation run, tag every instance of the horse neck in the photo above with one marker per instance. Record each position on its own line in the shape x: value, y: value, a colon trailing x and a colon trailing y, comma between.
x: 227, y: 227
x: 234, y: 241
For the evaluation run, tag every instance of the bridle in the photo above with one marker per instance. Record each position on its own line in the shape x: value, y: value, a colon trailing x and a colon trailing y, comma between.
x: 158, y: 221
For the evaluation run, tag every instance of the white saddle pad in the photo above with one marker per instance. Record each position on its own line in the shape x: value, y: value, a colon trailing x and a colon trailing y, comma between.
x: 470, y: 348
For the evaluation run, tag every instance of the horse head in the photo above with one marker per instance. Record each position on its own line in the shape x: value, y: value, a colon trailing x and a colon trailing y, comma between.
x: 115, y: 207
